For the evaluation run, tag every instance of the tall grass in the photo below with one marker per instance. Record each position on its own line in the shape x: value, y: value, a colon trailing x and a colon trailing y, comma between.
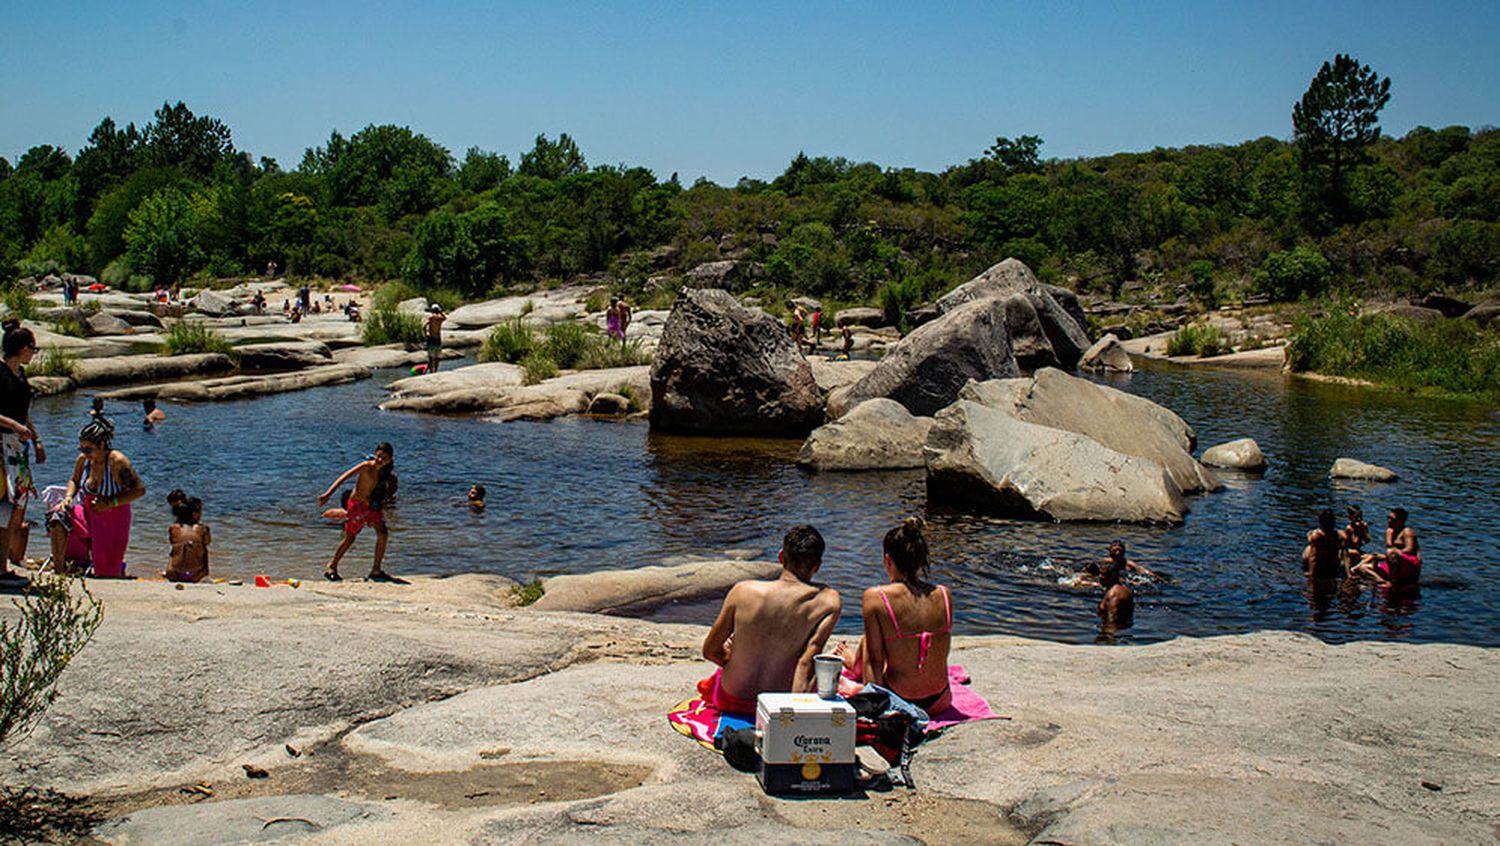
x: 69, y: 325
x: 567, y: 345
x: 510, y: 341
x: 1200, y: 339
x: 607, y: 354
x: 537, y: 367
x: 55, y: 362
x: 18, y: 302
x: 1449, y: 356
x: 389, y: 325
x: 194, y: 336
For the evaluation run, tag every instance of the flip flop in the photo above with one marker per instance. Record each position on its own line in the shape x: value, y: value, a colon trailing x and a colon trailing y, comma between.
x: 332, y: 576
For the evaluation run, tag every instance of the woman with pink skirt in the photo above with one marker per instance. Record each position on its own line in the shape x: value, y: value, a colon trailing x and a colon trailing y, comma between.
x: 97, y: 502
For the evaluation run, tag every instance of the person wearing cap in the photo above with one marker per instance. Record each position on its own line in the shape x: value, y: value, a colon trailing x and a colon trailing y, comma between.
x: 433, y: 327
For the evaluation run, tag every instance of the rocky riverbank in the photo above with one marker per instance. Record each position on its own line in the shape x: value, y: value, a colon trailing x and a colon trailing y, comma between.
x: 436, y: 711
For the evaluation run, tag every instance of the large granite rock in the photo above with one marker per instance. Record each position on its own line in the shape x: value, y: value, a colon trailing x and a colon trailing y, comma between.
x: 983, y: 459
x: 104, y: 323
x: 288, y: 355
x: 1060, y: 317
x: 925, y: 370
x: 1107, y: 354
x: 877, y: 434
x: 1349, y: 468
x: 1122, y: 422
x: 1485, y: 312
x: 860, y: 316
x: 725, y: 368
x: 213, y: 304
x: 540, y: 307
x: 1242, y: 454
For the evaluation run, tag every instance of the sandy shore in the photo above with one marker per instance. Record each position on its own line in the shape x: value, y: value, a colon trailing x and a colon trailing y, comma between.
x: 435, y: 712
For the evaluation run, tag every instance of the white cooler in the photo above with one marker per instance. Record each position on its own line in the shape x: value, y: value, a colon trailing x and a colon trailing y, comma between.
x: 806, y: 743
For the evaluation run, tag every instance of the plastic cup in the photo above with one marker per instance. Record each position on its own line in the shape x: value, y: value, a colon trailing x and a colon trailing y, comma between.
x: 828, y: 668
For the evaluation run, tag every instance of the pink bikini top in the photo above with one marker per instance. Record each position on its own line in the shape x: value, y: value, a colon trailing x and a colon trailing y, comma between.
x: 924, y: 639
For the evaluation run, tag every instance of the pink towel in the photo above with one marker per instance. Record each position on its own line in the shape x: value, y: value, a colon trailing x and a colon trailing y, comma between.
x: 967, y: 705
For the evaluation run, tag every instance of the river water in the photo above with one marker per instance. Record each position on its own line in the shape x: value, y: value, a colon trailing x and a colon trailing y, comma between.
x: 575, y: 495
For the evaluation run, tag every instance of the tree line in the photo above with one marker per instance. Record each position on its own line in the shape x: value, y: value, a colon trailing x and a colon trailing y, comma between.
x: 1339, y: 205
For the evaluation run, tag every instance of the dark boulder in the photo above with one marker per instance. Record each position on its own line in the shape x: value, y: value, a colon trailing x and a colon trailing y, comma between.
x: 925, y: 370
x: 725, y: 368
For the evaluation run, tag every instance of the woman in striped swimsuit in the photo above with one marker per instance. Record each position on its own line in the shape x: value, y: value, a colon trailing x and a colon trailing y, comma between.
x: 107, y: 484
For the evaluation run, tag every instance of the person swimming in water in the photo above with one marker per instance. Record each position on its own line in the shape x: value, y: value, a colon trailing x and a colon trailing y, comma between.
x: 1117, y: 608
x: 1322, y: 558
x: 475, y: 499
x: 1402, y: 563
x: 1354, y: 536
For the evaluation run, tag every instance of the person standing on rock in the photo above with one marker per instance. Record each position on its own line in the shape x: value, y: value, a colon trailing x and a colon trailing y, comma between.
x: 796, y: 326
x: 374, y: 485
x: 612, y: 328
x: 767, y: 632
x: 625, y: 313
x: 17, y: 437
x: 432, y: 327
x: 304, y: 298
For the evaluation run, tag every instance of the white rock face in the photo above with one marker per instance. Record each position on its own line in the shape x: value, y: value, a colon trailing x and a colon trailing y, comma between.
x: 1242, y: 454
x: 877, y: 434
x: 983, y: 459
x: 1349, y: 468
x: 1107, y: 354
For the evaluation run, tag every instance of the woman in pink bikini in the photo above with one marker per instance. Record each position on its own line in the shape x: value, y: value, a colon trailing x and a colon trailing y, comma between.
x: 907, y: 626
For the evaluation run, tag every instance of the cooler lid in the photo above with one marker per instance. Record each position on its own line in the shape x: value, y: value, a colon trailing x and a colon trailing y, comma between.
x: 801, y: 703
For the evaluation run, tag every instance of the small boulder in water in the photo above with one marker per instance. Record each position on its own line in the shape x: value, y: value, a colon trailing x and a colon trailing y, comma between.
x: 877, y: 434
x: 1242, y: 454
x: 1348, y: 468
x: 1107, y: 353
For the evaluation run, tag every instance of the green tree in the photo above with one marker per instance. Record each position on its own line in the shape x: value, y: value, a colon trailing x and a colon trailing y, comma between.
x: 178, y: 138
x: 553, y: 159
x: 1018, y: 156
x: 163, y: 237
x: 1337, y: 118
x: 482, y: 171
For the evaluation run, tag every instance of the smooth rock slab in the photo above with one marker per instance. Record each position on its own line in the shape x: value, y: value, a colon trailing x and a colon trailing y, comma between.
x: 877, y: 434
x: 1108, y: 354
x: 643, y: 588
x: 266, y: 819
x: 1349, y: 468
x: 983, y: 459
x: 1241, y: 454
x: 860, y: 316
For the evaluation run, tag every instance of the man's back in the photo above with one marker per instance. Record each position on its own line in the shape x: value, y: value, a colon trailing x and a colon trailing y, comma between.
x: 777, y: 624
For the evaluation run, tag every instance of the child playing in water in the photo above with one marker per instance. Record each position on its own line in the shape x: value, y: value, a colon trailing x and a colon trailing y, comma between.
x: 475, y: 499
x: 374, y: 485
x: 1402, y: 563
x: 190, y: 539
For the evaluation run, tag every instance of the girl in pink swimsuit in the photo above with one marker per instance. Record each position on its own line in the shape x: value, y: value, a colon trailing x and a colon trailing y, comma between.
x: 908, y: 625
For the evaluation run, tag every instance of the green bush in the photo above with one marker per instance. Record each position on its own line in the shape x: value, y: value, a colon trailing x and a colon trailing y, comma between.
x: 1200, y: 339
x: 1450, y: 356
x: 528, y: 593
x: 567, y: 342
x: 1201, y: 286
x: 389, y: 325
x: 606, y: 354
x: 56, y: 362
x: 194, y: 336
x: 70, y: 325
x: 1291, y: 275
x: 392, y: 294
x: 510, y: 342
x: 18, y: 302
x: 53, y: 626
x: 537, y: 368
x: 896, y: 298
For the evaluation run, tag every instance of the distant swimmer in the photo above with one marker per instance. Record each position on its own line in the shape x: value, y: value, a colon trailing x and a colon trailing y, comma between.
x: 1322, y: 558
x: 153, y: 414
x: 475, y: 499
x: 1117, y: 558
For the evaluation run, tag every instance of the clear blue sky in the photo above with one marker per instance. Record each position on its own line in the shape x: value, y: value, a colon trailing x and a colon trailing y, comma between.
x: 730, y: 89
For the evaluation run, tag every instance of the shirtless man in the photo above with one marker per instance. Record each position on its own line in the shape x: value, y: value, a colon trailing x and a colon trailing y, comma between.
x: 374, y: 485
x: 1402, y: 562
x: 432, y: 327
x: 1117, y: 559
x: 1322, y: 558
x: 767, y: 632
x: 1117, y: 608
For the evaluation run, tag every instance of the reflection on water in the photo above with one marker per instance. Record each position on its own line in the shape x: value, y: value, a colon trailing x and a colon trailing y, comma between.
x: 576, y: 495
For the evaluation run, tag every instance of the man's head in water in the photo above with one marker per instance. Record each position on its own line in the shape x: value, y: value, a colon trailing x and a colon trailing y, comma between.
x: 802, y: 552
x: 1117, y: 551
x: 1111, y: 572
x: 1325, y: 521
x: 476, y: 492
x: 1396, y: 519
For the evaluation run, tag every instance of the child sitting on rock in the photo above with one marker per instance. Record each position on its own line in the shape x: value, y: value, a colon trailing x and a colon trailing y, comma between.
x: 189, y: 537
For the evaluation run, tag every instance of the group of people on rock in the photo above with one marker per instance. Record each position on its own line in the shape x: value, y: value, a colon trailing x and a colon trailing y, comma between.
x: 767, y: 633
x: 806, y: 329
x: 1332, y: 553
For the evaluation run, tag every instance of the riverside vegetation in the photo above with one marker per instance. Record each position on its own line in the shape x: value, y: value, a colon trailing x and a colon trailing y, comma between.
x: 1339, y: 209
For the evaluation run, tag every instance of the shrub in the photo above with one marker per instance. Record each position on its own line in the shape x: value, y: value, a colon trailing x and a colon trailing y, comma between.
x: 195, y: 336
x: 1451, y: 356
x: 606, y: 354
x: 1290, y: 275
x: 69, y: 324
x: 537, y: 368
x: 389, y: 325
x: 510, y: 341
x: 56, y: 362
x: 392, y: 294
x: 528, y: 593
x: 1200, y: 339
x: 54, y: 624
x: 597, y: 300
x: 18, y: 302
x: 1201, y: 286
x: 896, y: 298
x: 567, y: 342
